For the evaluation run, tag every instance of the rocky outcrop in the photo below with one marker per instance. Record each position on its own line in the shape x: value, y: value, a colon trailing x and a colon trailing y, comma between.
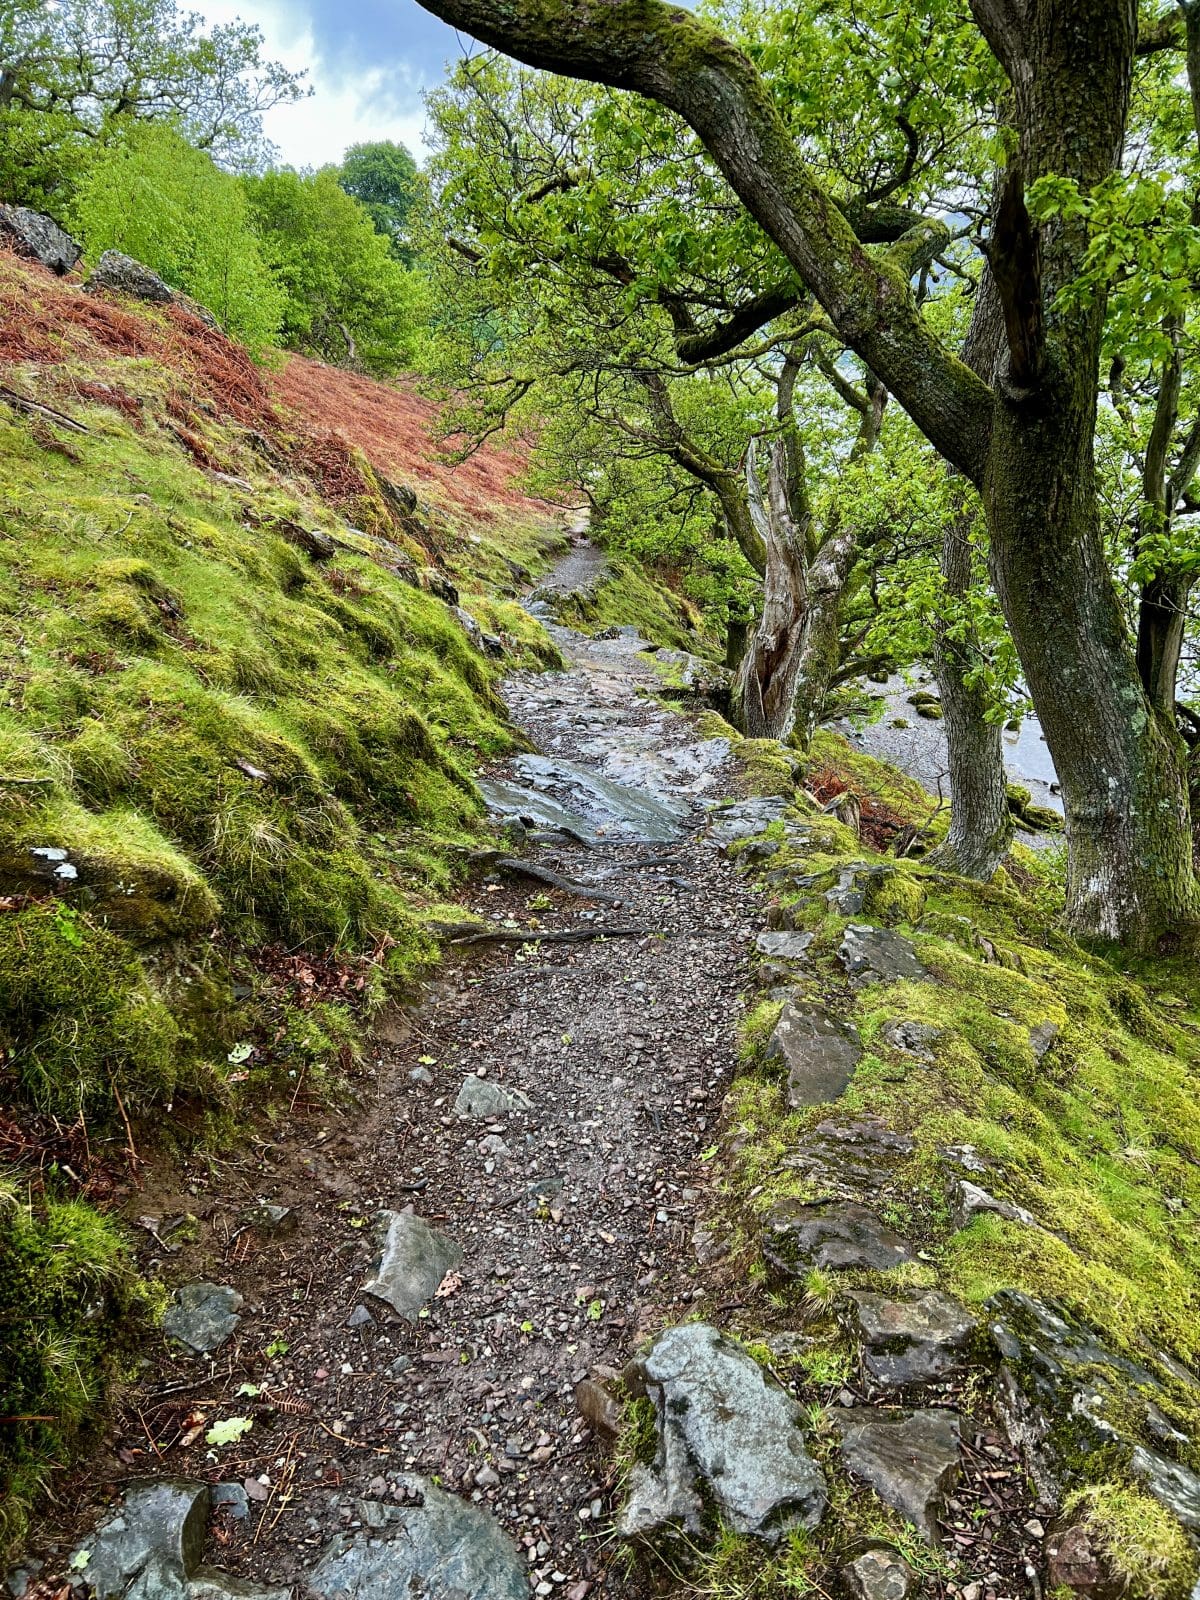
x: 121, y: 274
x: 729, y: 1441
x: 832, y: 1236
x: 39, y: 238
x: 1067, y: 1396
x: 877, y: 955
x: 912, y: 1339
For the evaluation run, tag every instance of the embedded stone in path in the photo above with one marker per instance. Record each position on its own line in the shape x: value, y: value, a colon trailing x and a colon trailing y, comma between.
x: 160, y: 1526
x: 820, y: 1053
x: 209, y: 1583
x: 614, y: 810
x: 440, y: 1546
x: 879, y: 1574
x: 482, y: 1097
x: 801, y: 1235
x: 514, y: 801
x: 914, y: 1339
x: 910, y: 1461
x: 726, y: 1436
x: 877, y: 955
x: 415, y: 1259
x: 203, y: 1316
x: 783, y: 946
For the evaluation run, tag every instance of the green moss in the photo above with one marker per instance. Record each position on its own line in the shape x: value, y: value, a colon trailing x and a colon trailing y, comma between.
x: 69, y: 1301
x: 627, y: 596
x: 79, y: 1019
x: 894, y: 897
x: 1146, y: 1550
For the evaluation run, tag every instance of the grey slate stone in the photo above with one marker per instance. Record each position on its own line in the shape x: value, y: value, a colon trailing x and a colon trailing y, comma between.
x: 801, y: 1235
x: 970, y: 1200
x: 415, y: 1259
x: 917, y: 1039
x: 783, y: 945
x: 203, y: 1316
x: 820, y: 1053
x: 911, y: 1340
x: 725, y: 1435
x: 483, y: 1097
x: 1172, y: 1485
x: 209, y: 1583
x: 39, y: 238
x: 910, y: 1461
x: 124, y: 275
x: 877, y: 955
x: 442, y: 1549
x: 161, y: 1521
x: 878, y: 1574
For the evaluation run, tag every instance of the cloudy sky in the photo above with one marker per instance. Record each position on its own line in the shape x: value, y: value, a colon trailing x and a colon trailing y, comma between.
x: 367, y: 62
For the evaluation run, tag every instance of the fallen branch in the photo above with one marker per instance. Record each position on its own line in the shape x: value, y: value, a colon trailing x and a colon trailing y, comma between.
x: 20, y: 402
x: 563, y: 936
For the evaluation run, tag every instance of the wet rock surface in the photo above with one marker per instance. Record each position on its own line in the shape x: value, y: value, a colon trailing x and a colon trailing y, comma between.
x: 910, y: 1461
x: 911, y: 1339
x: 877, y: 955
x: 1065, y: 1394
x: 818, y: 1049
x: 202, y: 1316
x: 158, y: 1530
x: 727, y: 1439
x: 801, y: 1235
x: 437, y: 1546
x: 415, y: 1260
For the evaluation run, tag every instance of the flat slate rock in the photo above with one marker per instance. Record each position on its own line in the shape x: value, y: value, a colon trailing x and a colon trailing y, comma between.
x: 820, y: 1052
x: 858, y: 1159
x: 483, y: 1097
x: 442, y: 1549
x: 877, y: 955
x: 726, y: 1437
x: 614, y: 810
x: 415, y: 1259
x: 910, y: 1461
x: 783, y: 945
x: 515, y: 800
x: 831, y: 1235
x: 911, y: 1340
x: 746, y: 818
x: 203, y: 1316
x: 209, y: 1583
x: 160, y: 1525
x: 917, y: 1039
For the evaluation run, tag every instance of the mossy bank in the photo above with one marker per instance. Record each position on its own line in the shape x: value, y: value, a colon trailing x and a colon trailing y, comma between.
x: 1023, y: 1112
x: 241, y: 712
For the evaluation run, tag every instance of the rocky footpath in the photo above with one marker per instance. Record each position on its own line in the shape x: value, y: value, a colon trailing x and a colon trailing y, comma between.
x: 520, y: 1310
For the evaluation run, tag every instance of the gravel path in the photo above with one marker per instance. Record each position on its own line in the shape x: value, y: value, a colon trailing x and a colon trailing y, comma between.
x: 574, y: 1216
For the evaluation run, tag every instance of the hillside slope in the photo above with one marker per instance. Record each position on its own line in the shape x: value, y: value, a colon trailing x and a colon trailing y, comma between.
x: 241, y: 710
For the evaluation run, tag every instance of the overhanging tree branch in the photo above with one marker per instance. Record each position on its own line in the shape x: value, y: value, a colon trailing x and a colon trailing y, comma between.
x: 678, y: 60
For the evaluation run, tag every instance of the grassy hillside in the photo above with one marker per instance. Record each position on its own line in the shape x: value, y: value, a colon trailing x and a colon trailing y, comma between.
x: 237, y: 731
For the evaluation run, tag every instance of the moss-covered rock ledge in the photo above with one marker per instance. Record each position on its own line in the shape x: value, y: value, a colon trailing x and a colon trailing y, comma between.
x: 954, y: 1214
x: 242, y: 706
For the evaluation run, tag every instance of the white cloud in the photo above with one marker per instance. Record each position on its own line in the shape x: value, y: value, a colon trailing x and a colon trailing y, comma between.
x: 344, y: 109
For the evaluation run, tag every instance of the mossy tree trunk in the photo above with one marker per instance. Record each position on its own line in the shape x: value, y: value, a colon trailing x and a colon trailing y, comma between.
x: 1026, y: 442
x: 981, y: 825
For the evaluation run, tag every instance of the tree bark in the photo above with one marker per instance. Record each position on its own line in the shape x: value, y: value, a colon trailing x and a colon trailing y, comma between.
x: 981, y: 825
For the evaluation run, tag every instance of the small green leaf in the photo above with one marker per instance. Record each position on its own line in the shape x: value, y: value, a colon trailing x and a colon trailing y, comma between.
x: 249, y: 1389
x: 229, y: 1431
